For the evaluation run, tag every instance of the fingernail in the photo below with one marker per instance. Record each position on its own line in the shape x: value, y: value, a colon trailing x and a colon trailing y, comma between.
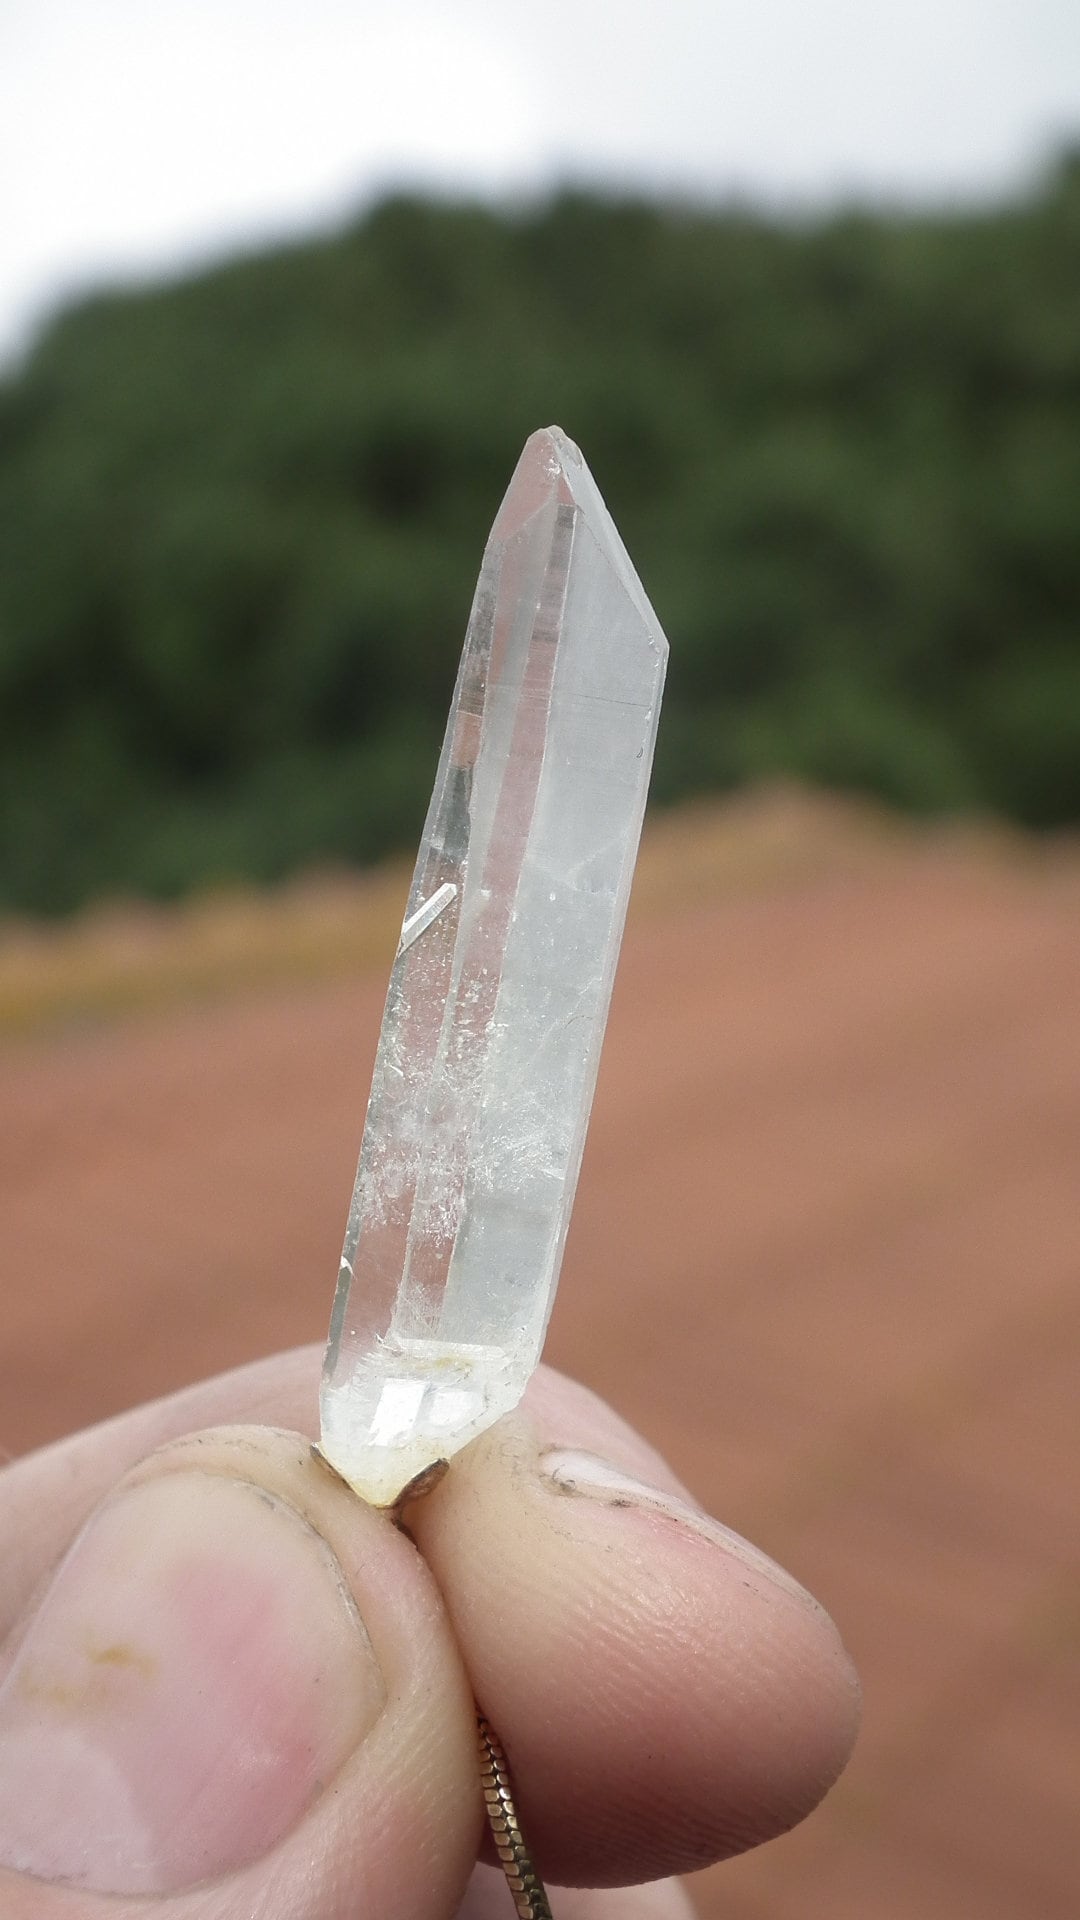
x: 196, y: 1673
x: 587, y: 1474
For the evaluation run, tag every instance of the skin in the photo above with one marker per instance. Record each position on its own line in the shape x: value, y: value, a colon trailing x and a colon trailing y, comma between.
x: 246, y: 1693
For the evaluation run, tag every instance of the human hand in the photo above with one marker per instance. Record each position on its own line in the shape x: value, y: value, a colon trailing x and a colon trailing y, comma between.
x: 245, y: 1693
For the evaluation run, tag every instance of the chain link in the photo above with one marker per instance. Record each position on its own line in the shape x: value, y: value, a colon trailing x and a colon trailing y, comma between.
x: 521, y: 1876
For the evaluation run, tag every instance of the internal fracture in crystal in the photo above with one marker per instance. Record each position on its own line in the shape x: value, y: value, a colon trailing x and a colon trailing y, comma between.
x: 499, y: 993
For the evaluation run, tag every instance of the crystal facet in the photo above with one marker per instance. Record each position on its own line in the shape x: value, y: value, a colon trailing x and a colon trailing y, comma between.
x: 499, y: 993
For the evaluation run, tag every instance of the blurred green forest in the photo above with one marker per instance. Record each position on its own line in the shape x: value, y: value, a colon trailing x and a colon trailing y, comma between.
x: 241, y: 518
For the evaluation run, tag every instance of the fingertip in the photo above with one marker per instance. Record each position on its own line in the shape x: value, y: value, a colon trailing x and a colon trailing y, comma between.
x: 397, y: 1831
x: 243, y: 1679
x: 666, y: 1695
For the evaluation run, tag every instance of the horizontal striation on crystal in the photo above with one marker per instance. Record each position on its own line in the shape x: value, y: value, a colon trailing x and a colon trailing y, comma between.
x: 499, y: 993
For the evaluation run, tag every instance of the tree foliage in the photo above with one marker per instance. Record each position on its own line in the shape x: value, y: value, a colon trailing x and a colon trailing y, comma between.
x: 240, y: 519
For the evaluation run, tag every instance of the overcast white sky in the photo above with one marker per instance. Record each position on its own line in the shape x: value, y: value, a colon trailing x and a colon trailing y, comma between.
x: 137, y: 135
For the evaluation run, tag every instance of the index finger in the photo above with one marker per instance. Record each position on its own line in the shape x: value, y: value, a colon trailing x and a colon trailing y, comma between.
x: 667, y: 1695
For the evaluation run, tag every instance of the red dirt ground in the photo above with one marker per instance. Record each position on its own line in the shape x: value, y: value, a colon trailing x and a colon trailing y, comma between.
x: 826, y: 1253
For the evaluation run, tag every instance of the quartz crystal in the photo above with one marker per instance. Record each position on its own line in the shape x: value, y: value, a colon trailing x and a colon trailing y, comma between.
x: 499, y: 993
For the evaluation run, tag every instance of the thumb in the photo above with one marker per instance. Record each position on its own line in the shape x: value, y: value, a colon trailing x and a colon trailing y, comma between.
x: 240, y: 1680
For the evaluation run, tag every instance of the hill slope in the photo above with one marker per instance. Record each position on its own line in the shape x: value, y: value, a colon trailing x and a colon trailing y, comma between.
x: 824, y: 1253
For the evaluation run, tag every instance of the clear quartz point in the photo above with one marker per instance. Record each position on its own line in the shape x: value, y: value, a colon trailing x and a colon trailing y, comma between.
x: 499, y: 994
